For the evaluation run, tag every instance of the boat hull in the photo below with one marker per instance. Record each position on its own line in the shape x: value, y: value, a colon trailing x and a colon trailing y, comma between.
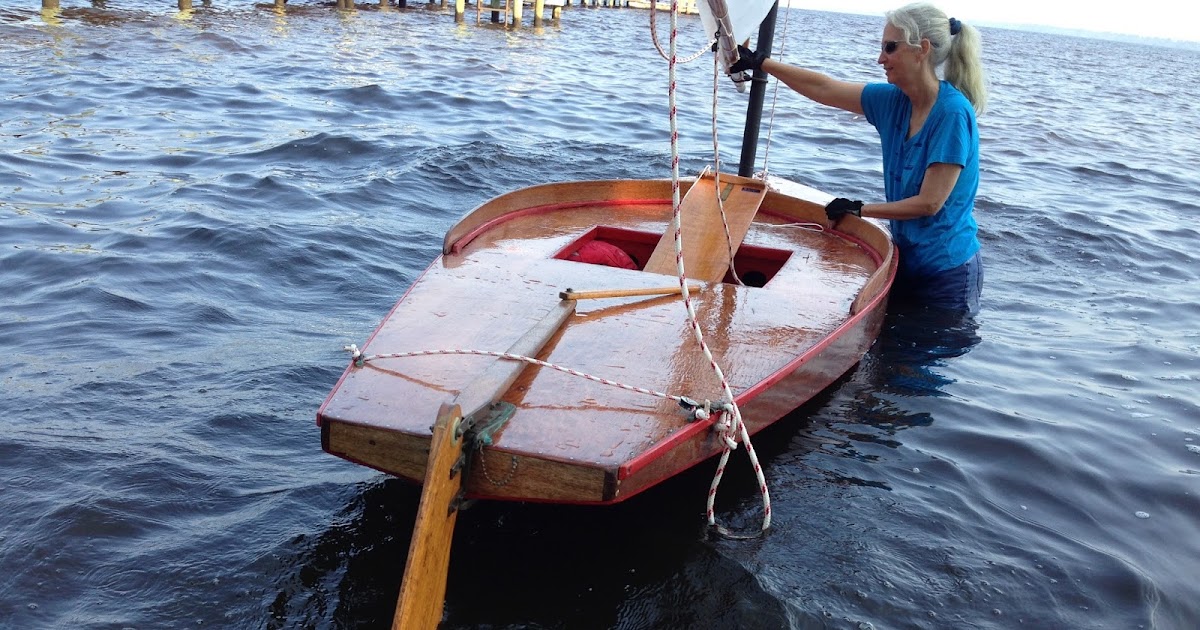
x: 574, y: 440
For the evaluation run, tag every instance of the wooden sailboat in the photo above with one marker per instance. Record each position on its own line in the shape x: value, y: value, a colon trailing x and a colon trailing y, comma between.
x: 545, y: 355
x: 817, y: 307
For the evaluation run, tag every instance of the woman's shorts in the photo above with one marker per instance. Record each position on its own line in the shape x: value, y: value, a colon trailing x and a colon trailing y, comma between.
x: 957, y: 289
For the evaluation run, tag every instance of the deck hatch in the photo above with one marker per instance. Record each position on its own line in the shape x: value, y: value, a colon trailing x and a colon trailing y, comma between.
x: 756, y: 265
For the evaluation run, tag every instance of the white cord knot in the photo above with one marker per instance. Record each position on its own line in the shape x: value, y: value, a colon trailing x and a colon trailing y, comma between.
x: 704, y: 410
x: 355, y: 354
x: 726, y: 431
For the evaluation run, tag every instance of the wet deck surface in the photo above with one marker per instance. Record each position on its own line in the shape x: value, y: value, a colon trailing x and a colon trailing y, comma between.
x: 505, y: 280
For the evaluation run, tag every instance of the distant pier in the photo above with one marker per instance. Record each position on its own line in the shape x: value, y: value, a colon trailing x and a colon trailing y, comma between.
x: 511, y: 10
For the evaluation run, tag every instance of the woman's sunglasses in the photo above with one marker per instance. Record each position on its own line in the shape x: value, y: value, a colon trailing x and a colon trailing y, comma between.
x: 890, y: 47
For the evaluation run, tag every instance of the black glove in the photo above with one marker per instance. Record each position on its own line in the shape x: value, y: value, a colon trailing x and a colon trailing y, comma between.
x: 748, y: 60
x: 841, y: 206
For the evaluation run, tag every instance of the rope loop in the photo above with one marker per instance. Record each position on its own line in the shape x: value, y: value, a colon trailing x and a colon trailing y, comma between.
x: 712, y: 45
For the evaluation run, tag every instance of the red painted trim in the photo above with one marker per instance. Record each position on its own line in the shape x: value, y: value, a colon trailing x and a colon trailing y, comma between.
x: 875, y: 256
x: 809, y: 354
x: 466, y: 239
x: 757, y: 389
x: 607, y: 231
x: 629, y: 468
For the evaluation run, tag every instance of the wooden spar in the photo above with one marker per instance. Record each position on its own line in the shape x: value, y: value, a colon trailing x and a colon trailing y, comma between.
x: 423, y: 588
x: 758, y: 93
x: 572, y: 294
x: 492, y: 384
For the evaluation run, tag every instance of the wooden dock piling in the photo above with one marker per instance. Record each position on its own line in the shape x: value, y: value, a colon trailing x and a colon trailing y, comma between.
x: 515, y: 9
x: 510, y: 12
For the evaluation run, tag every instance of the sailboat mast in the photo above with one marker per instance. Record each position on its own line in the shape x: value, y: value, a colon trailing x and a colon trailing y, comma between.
x: 758, y: 94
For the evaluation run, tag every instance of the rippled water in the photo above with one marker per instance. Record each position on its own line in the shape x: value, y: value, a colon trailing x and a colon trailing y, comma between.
x: 199, y: 210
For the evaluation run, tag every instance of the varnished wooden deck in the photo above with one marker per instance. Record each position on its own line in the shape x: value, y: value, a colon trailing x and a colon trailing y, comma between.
x: 574, y: 440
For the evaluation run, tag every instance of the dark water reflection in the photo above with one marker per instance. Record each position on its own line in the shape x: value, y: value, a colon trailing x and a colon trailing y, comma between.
x: 914, y: 343
x: 641, y: 564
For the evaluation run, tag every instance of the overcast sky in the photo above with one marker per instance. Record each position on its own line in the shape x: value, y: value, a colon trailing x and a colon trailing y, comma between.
x: 1177, y: 19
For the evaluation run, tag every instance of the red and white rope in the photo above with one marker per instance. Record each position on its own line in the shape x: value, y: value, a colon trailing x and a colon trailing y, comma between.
x: 658, y: 46
x: 717, y: 168
x: 729, y: 424
x: 358, y: 356
x: 735, y: 427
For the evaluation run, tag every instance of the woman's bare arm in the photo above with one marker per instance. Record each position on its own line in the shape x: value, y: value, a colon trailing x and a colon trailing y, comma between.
x: 819, y: 87
x: 939, y: 181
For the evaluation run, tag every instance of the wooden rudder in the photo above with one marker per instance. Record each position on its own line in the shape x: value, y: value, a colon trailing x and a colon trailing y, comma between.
x: 423, y: 588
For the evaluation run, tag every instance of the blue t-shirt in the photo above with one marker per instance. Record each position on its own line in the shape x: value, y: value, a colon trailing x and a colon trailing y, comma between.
x: 947, y: 239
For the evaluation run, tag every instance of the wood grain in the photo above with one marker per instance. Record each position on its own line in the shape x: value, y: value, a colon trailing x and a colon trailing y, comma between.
x: 423, y: 588
x: 705, y: 244
x: 570, y: 438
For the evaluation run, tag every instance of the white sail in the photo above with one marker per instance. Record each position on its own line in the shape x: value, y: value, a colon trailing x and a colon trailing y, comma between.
x: 744, y: 16
x: 733, y: 22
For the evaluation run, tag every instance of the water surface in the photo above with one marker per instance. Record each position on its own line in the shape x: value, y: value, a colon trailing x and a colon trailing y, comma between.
x: 199, y: 210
